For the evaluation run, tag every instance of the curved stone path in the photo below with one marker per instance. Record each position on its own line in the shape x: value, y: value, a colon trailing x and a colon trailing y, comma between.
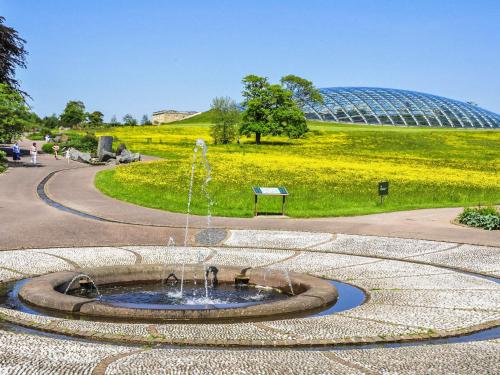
x: 416, y: 290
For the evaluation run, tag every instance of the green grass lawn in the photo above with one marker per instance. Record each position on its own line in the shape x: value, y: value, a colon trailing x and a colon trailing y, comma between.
x: 333, y: 171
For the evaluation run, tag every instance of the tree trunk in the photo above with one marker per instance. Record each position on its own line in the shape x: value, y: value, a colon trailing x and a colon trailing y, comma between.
x: 257, y: 138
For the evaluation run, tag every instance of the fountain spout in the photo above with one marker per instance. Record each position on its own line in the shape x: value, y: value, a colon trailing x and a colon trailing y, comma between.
x: 212, y: 270
x: 242, y: 278
x: 172, y: 275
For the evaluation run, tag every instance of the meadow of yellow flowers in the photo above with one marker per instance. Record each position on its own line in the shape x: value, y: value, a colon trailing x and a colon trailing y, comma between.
x: 334, y: 170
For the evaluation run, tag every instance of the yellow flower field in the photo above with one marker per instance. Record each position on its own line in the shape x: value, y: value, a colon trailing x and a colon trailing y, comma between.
x: 334, y: 170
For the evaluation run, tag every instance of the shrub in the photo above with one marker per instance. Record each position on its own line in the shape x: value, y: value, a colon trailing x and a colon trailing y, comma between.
x: 47, y: 148
x: 3, y: 160
x: 40, y: 135
x: 86, y: 143
x: 3, y: 156
x: 481, y: 217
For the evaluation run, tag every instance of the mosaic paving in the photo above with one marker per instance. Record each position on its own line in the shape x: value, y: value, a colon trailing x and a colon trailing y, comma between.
x: 407, y: 300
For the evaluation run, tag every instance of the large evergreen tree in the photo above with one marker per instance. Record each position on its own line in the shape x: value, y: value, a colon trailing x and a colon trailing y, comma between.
x: 12, y: 55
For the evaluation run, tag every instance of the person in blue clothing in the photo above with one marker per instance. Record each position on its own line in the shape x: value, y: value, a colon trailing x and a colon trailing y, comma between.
x: 16, y: 152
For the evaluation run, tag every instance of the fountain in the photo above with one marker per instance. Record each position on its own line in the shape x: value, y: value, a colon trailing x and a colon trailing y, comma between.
x: 135, y: 293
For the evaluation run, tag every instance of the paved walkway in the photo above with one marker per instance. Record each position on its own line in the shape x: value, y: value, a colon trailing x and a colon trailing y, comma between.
x: 28, y: 222
x: 73, y: 186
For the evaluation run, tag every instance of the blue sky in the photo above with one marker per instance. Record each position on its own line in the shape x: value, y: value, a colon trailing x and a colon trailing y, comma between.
x: 124, y: 56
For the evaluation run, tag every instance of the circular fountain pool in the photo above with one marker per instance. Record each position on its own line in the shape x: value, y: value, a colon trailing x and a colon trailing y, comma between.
x: 139, y: 293
x: 159, y: 295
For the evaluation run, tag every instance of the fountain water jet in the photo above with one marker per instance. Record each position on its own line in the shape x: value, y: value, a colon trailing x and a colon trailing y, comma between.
x: 81, y: 276
x: 200, y: 144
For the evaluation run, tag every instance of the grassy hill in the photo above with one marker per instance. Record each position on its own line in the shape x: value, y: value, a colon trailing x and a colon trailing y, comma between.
x: 332, y: 171
x: 202, y: 118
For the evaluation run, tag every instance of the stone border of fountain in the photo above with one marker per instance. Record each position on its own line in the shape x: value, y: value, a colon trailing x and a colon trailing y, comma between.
x: 310, y: 294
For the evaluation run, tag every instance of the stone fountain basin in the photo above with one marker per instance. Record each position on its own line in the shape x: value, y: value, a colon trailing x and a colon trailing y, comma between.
x: 311, y: 294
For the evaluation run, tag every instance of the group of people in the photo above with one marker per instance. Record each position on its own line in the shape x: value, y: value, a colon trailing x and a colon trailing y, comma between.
x: 16, y: 152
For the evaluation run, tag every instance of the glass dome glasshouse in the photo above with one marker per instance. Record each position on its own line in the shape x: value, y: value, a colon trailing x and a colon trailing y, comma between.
x: 370, y: 105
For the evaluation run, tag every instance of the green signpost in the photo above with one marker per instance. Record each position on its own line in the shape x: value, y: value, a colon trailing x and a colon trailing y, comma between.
x: 383, y: 190
x: 270, y: 191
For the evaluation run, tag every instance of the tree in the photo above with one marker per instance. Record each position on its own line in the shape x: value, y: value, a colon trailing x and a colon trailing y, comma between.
x: 74, y: 114
x: 51, y: 122
x: 14, y: 113
x: 129, y: 120
x: 145, y: 120
x: 257, y: 103
x: 303, y: 91
x: 12, y: 55
x: 96, y: 119
x: 34, y: 121
x: 114, y: 121
x: 225, y: 118
x: 286, y: 117
x: 270, y: 110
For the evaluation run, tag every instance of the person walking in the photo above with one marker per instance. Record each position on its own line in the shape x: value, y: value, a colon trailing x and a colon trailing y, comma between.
x: 33, y: 153
x: 55, y: 148
x: 16, y: 152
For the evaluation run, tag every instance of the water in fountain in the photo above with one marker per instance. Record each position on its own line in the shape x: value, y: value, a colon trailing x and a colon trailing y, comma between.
x: 285, y: 273
x: 204, y: 187
x: 80, y: 276
x: 165, y: 273
x: 205, y: 275
x: 200, y: 144
x: 287, y: 276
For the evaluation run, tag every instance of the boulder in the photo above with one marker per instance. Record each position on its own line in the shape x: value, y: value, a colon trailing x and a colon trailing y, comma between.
x: 120, y: 148
x: 127, y: 157
x: 106, y: 156
x: 82, y: 157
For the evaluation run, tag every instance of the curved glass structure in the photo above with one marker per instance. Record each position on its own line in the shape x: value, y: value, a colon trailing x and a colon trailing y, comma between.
x: 372, y: 105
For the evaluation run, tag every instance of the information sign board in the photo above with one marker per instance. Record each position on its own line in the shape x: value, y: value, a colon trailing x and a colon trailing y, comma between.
x: 383, y: 188
x: 270, y: 191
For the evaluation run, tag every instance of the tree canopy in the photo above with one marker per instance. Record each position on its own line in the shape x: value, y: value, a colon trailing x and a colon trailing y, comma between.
x: 270, y: 110
x: 114, y: 121
x: 51, y: 121
x: 225, y: 117
x: 12, y: 55
x: 303, y: 91
x: 129, y: 120
x: 74, y: 114
x: 14, y: 113
x: 96, y: 119
x: 145, y: 120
